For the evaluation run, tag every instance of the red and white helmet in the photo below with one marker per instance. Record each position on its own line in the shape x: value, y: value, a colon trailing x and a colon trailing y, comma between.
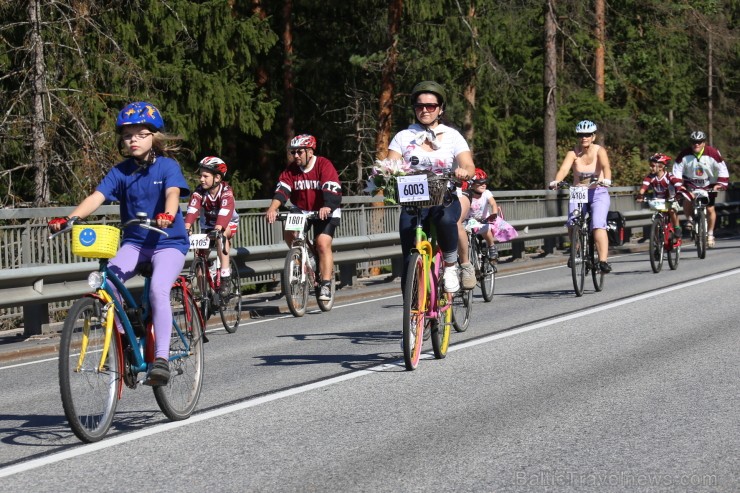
x: 660, y: 158
x: 303, y: 141
x: 480, y: 176
x: 214, y: 165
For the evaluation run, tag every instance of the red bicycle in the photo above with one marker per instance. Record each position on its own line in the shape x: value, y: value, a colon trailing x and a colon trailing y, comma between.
x: 205, y: 275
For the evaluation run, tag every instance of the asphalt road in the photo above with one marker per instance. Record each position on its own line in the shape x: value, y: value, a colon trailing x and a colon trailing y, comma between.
x: 634, y: 388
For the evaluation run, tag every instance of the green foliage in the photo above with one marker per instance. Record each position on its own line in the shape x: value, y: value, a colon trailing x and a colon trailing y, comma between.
x: 216, y: 71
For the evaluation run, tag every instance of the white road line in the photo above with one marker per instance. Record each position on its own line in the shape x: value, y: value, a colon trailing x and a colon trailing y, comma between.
x: 155, y: 430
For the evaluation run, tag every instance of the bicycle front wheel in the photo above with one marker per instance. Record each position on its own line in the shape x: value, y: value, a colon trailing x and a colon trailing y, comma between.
x: 178, y: 398
x: 577, y: 258
x: 657, y: 244
x: 295, y: 283
x: 701, y: 234
x: 443, y: 321
x: 414, y: 295
x: 199, y: 276
x: 230, y: 308
x: 89, y: 392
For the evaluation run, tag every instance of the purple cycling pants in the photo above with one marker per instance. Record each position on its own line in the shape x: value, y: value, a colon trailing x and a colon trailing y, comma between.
x: 167, y: 264
x: 598, y: 204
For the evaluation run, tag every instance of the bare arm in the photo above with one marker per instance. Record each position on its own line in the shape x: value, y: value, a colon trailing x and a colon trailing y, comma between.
x: 272, y: 211
x: 465, y: 166
x: 89, y: 205
x: 565, y: 166
x: 606, y: 170
x: 171, y: 206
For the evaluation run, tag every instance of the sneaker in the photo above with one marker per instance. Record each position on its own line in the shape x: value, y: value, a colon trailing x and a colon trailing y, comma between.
x: 605, y: 267
x: 570, y: 263
x: 325, y: 291
x: 492, y: 253
x: 468, y: 275
x: 451, y: 281
x: 225, y: 289
x: 413, y: 341
x: 689, y: 226
x: 710, y: 241
x: 159, y: 374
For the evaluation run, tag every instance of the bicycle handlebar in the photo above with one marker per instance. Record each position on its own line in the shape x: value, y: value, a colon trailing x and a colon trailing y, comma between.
x: 563, y: 185
x: 282, y: 216
x: 141, y: 219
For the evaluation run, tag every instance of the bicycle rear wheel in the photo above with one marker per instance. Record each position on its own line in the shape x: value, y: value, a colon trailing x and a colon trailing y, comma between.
x: 701, y: 234
x: 462, y: 304
x: 414, y: 294
x: 577, y: 258
x: 199, y: 276
x: 487, y: 280
x: 325, y: 306
x: 596, y: 274
x: 178, y: 398
x: 674, y: 252
x: 440, y: 326
x: 231, y: 304
x: 89, y: 394
x: 462, y: 301
x: 295, y: 283
x: 657, y: 244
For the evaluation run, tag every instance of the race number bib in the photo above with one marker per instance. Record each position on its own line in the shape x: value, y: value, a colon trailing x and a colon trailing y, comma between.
x: 199, y: 241
x: 295, y: 222
x: 579, y: 195
x: 412, y: 188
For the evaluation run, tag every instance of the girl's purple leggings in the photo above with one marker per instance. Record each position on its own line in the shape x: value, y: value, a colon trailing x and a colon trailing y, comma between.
x: 167, y: 264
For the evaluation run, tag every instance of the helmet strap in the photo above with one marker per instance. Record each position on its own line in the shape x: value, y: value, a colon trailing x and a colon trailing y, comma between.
x: 146, y: 161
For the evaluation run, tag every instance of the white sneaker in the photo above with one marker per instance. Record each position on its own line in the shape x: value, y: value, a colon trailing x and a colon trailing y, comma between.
x: 468, y: 275
x: 710, y: 241
x: 451, y: 280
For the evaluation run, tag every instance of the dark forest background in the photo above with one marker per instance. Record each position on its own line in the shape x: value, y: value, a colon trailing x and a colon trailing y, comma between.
x: 237, y: 79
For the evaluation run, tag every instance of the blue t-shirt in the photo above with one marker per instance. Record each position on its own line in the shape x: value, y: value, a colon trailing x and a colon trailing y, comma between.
x: 143, y: 190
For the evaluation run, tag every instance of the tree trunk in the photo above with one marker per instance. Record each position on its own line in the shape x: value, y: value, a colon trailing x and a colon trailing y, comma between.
x: 266, y: 170
x: 470, y: 81
x: 288, y: 89
x: 600, y: 42
x: 710, y: 106
x: 40, y: 163
x: 550, y: 79
x: 387, y: 84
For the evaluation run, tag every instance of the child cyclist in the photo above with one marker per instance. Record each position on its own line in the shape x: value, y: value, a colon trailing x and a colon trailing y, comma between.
x: 147, y: 180
x: 483, y: 208
x: 216, y: 198
x: 665, y: 185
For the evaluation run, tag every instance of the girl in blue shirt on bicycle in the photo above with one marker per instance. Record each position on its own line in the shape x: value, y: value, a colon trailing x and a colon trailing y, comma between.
x: 148, y: 180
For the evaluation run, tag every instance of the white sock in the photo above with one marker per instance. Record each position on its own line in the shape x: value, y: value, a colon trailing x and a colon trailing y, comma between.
x: 225, y: 272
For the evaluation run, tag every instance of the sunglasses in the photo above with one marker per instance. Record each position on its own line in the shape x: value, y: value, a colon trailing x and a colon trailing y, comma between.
x: 697, y: 142
x: 426, y: 106
x: 584, y: 136
x: 296, y: 151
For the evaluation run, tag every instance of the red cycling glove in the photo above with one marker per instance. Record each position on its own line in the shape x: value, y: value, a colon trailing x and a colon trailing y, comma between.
x: 61, y: 221
x: 165, y: 216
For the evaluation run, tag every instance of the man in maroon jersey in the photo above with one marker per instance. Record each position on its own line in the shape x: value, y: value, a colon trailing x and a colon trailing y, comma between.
x: 311, y: 183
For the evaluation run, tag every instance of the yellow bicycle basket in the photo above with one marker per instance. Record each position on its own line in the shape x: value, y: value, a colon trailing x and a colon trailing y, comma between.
x: 95, y: 240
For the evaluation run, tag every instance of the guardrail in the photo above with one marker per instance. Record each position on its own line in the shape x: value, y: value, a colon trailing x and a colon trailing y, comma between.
x: 33, y: 287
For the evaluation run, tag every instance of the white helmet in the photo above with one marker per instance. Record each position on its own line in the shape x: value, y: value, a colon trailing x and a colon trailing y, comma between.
x: 698, y: 136
x: 586, y: 127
